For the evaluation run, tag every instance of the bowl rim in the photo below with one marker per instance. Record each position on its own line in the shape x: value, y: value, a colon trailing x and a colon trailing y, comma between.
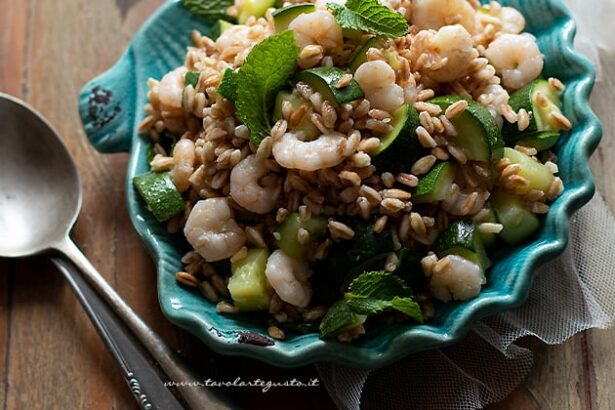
x: 428, y: 337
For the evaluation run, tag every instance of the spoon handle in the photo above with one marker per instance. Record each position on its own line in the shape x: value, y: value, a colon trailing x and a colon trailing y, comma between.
x: 171, y: 363
x: 139, y: 373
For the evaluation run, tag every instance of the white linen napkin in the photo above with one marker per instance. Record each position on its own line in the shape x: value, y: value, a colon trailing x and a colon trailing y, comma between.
x: 569, y: 295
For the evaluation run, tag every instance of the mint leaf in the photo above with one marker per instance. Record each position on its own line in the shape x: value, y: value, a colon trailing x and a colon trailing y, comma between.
x: 378, y: 285
x: 369, y: 16
x: 191, y: 78
x: 209, y: 9
x: 267, y: 69
x: 339, y: 317
x: 228, y: 85
x: 370, y: 306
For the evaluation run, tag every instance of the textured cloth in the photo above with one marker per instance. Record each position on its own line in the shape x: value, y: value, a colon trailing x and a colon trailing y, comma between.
x: 571, y: 294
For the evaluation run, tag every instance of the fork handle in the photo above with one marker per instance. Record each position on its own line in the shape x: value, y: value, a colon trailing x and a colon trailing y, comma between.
x: 139, y: 373
x: 172, y: 365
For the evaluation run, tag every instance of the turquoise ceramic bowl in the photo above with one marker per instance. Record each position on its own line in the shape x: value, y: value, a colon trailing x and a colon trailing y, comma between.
x: 111, y: 106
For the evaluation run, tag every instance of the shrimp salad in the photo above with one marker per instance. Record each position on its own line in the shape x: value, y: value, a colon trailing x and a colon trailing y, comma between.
x: 342, y: 165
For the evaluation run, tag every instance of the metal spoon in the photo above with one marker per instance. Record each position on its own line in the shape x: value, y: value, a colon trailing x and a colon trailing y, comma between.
x: 40, y: 199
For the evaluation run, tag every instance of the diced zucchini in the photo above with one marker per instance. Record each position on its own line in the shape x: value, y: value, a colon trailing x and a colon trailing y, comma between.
x: 296, y: 101
x: 160, y: 194
x: 282, y: 17
x: 218, y: 28
x: 538, y: 175
x: 462, y: 238
x: 191, y: 78
x: 256, y: 8
x: 518, y: 221
x: 541, y: 141
x: 286, y: 234
x: 489, y: 240
x: 248, y: 283
x: 400, y: 148
x: 479, y: 136
x: 540, y: 117
x: 338, y: 319
x: 436, y: 185
x: 360, y: 55
x: 325, y: 79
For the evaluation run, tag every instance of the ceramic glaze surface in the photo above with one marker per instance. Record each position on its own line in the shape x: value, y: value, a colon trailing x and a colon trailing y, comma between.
x: 111, y: 107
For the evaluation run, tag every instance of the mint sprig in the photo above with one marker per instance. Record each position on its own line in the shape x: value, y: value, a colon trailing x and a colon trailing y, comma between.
x: 369, y: 16
x: 267, y: 69
x: 371, y: 293
x: 228, y: 85
x: 209, y: 9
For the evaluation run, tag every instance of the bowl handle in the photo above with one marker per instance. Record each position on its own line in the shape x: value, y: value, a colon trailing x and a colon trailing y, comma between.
x: 107, y: 107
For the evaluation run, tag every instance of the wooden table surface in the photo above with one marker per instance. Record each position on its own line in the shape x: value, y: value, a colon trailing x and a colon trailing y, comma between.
x: 51, y: 357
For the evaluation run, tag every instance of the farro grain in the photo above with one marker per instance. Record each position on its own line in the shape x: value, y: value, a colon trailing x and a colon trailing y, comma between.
x: 364, y: 207
x: 458, y: 154
x: 264, y: 148
x: 186, y: 279
x: 426, y: 121
x: 531, y: 151
x: 408, y: 180
x: 423, y: 165
x: 391, y: 262
x: 194, y: 267
x: 541, y: 100
x: 557, y: 84
x: 378, y: 126
x: 442, y: 265
x: 314, y: 313
x: 322, y: 250
x: 361, y: 110
x: 305, y: 214
x: 555, y: 189
x: 318, y: 122
x: 404, y: 228
x: 378, y: 114
x: 387, y: 179
x: 393, y: 205
x: 523, y: 120
x: 226, y: 308
x: 561, y: 120
x: 208, y: 291
x: 276, y: 333
x: 340, y: 230
x: 397, y: 194
x: 303, y: 236
x: 239, y: 255
x: 456, y: 109
x: 329, y: 115
x: 539, y: 208
x: 361, y: 159
x: 380, y: 223
x: 350, y: 177
x: 369, y: 145
x: 147, y: 123
x: 161, y: 163
x: 174, y: 224
x: 255, y: 237
x: 219, y: 284
x: 279, y: 129
x: 534, y: 195
x: 281, y: 317
x: 346, y: 126
x: 425, y: 138
x: 432, y: 109
x: 371, y: 194
x: 489, y: 227
x: 425, y: 95
x: 417, y: 224
x: 344, y: 81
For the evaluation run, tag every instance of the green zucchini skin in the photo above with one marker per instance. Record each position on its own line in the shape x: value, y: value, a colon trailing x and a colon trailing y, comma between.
x: 400, y: 148
x: 160, y: 194
x: 462, y: 238
x: 283, y: 17
x: 436, y: 185
x: 325, y: 79
x: 519, y: 222
x: 474, y: 122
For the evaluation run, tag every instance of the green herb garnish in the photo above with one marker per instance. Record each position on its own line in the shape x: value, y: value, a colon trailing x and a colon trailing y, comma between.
x: 209, y: 9
x: 267, y: 69
x: 228, y: 85
x: 191, y: 78
x: 369, y: 16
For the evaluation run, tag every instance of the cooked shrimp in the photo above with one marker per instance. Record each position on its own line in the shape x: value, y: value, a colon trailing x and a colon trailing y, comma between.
x: 318, y: 28
x: 510, y: 20
x: 455, y: 44
x: 434, y: 14
x: 212, y: 231
x: 454, y: 278
x: 246, y: 190
x: 183, y: 158
x: 289, y: 278
x: 377, y: 79
x: 326, y: 151
x: 236, y: 42
x: 171, y: 89
x: 516, y: 58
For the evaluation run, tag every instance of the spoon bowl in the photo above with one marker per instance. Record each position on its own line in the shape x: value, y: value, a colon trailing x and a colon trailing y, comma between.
x: 40, y: 199
x: 40, y: 191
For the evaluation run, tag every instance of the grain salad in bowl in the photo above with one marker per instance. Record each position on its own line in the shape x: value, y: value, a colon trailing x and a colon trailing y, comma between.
x: 339, y: 164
